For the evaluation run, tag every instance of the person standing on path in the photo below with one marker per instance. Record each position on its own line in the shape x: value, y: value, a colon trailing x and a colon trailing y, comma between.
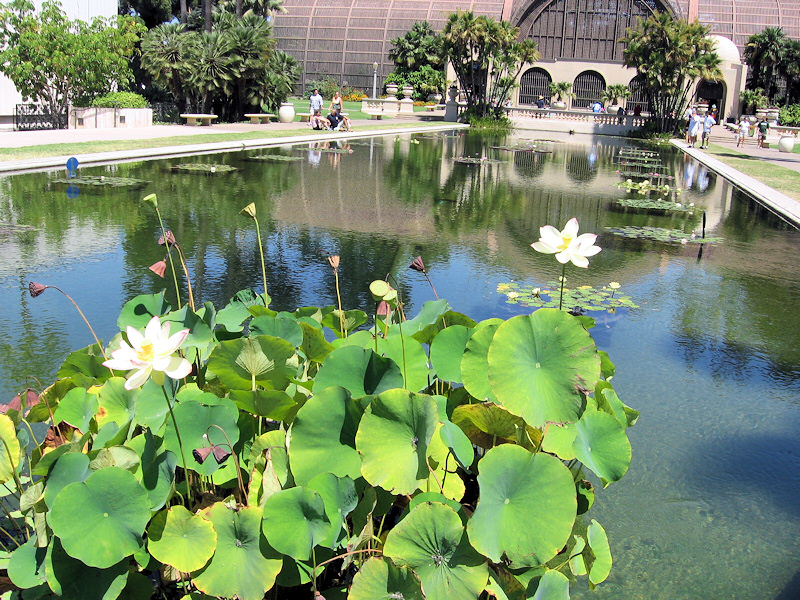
x: 315, y: 103
x: 763, y: 129
x: 743, y: 131
x: 708, y: 123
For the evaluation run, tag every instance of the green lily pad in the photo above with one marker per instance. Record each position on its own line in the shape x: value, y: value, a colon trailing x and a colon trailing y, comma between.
x: 350, y: 319
x: 407, y: 352
x: 474, y: 363
x: 323, y: 436
x: 340, y: 498
x: 661, y: 234
x: 315, y: 347
x: 486, y: 424
x: 71, y: 579
x: 137, y: 312
x: 101, y: 520
x: 117, y: 404
x: 26, y: 567
x: 71, y: 467
x: 600, y: 567
x: 393, y: 440
x: 602, y: 445
x: 271, y: 404
x: 243, y: 565
x: 285, y: 328
x: 432, y: 542
x: 181, y: 539
x: 156, y: 470
x: 359, y: 371
x: 553, y: 585
x: 77, y: 408
x: 261, y: 360
x: 538, y: 365
x: 519, y: 487
x: 380, y: 579
x: 447, y: 350
x: 295, y: 521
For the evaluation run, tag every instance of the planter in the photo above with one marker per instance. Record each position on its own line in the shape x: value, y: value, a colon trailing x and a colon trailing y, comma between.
x: 286, y: 112
x: 452, y: 93
x: 786, y: 143
x: 559, y: 105
x: 437, y: 98
x: 408, y: 90
x: 761, y: 113
x: 773, y: 114
x: 612, y: 109
x: 702, y: 109
x: 391, y: 89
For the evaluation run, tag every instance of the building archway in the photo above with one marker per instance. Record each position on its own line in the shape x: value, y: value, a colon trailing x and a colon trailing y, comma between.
x: 534, y: 82
x: 587, y: 88
x: 712, y: 92
x: 638, y: 96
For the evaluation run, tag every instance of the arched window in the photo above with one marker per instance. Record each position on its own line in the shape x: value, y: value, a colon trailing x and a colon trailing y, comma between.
x: 587, y: 88
x: 534, y: 82
x: 638, y: 95
x: 712, y: 92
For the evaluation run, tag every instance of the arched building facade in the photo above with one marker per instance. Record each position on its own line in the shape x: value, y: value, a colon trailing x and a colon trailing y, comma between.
x: 578, y: 39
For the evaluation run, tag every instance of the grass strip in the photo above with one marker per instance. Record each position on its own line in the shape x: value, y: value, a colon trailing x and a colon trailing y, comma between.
x: 786, y: 181
x: 71, y: 148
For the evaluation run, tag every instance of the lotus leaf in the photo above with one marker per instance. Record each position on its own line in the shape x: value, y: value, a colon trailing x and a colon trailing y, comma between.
x: 602, y: 445
x: 437, y: 497
x: 137, y: 312
x: 181, y: 539
x: 26, y: 567
x: 447, y: 349
x: 100, y: 521
x: 200, y: 334
x: 474, y: 365
x: 114, y: 456
x: 393, y: 440
x: 410, y: 357
x: 600, y: 567
x: 558, y: 440
x: 137, y: 587
x: 432, y: 542
x: 198, y: 425
x: 295, y: 521
x: 448, y: 319
x: 553, y: 585
x: 71, y: 579
x: 486, y: 423
x: 323, y: 436
x: 340, y: 498
x: 268, y: 466
x: 156, y: 470
x: 244, y: 363
x: 444, y: 477
x: 379, y: 579
x: 360, y: 371
x: 10, y: 451
x: 285, y: 328
x: 77, y: 409
x: 271, y: 404
x: 539, y: 365
x: 71, y: 467
x: 117, y: 404
x: 519, y: 487
x: 429, y: 314
x: 350, y: 319
x: 151, y: 407
x: 243, y: 564
x: 315, y: 347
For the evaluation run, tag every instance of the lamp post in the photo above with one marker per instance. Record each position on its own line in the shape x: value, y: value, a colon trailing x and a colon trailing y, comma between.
x: 375, y: 80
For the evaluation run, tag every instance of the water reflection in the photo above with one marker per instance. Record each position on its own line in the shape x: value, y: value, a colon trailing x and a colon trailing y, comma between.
x: 711, y: 358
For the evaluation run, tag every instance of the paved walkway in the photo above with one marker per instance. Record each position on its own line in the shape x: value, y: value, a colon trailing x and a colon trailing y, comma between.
x: 783, y: 205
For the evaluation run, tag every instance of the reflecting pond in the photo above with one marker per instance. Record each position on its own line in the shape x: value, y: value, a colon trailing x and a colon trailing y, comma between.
x: 711, y: 356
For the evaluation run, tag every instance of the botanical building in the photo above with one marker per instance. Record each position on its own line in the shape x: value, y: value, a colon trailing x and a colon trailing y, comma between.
x: 577, y: 38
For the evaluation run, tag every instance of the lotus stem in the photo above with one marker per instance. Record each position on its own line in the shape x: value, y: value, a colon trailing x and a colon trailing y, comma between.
x: 182, y: 256
x: 435, y: 295
x: 36, y: 289
x: 339, y: 300
x: 235, y: 462
x: 180, y: 445
x: 339, y: 556
x: 263, y: 264
x: 169, y: 256
x: 563, y: 278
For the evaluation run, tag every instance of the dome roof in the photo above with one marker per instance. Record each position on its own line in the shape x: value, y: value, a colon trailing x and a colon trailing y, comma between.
x: 726, y: 49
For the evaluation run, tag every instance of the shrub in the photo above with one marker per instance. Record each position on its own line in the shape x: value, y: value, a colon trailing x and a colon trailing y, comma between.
x: 355, y: 96
x: 425, y: 81
x: 790, y: 115
x: 121, y: 100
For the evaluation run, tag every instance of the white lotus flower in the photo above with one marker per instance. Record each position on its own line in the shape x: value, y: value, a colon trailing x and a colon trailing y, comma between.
x: 150, y: 353
x: 567, y: 245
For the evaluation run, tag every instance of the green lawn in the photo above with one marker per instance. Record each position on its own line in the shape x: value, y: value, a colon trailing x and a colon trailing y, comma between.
x: 72, y: 148
x: 779, y: 178
x: 352, y: 108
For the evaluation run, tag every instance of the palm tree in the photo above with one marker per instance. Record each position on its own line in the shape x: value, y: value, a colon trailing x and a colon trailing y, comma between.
x: 209, y: 67
x: 763, y: 54
x: 614, y: 92
x: 163, y: 56
x: 418, y: 47
x: 790, y: 69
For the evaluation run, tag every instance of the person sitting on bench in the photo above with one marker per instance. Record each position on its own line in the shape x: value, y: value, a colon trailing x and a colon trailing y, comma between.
x: 319, y: 122
x: 338, y: 122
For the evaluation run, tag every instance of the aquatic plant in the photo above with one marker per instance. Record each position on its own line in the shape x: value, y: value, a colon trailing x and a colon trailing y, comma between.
x: 432, y: 457
x: 584, y: 298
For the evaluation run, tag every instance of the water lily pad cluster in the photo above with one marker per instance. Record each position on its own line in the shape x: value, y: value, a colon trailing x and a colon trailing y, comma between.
x: 654, y: 205
x: 645, y: 175
x: 646, y: 187
x: 585, y: 298
x: 204, y: 168
x: 661, y: 234
x: 7, y: 228
x: 432, y: 457
x: 101, y: 182
x: 476, y: 160
x: 277, y: 158
x: 638, y: 153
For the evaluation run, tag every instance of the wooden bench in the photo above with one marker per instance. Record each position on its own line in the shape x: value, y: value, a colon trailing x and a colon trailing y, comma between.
x: 257, y: 118
x: 373, y: 114
x: 198, y: 119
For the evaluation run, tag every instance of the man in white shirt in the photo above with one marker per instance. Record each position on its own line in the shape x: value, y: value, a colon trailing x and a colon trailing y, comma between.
x: 315, y: 103
x: 708, y: 123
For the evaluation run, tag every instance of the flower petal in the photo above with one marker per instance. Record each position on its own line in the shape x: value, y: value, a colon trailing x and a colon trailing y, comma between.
x: 138, y: 379
x: 571, y: 228
x: 563, y: 257
x: 178, y: 368
x: 543, y: 248
x: 579, y: 261
x: 152, y: 329
x: 550, y: 236
x: 174, y: 342
x: 119, y: 364
x: 135, y: 337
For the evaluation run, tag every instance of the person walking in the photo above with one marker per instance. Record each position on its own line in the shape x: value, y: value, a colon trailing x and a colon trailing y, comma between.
x: 708, y: 123
x: 742, y: 132
x: 763, y: 129
x: 315, y: 104
x: 695, y: 128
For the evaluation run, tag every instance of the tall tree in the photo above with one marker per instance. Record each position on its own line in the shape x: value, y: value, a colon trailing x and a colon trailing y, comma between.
x: 763, y: 55
x: 789, y: 69
x: 418, y: 47
x: 163, y: 57
x: 56, y: 62
x: 670, y: 56
x: 487, y: 59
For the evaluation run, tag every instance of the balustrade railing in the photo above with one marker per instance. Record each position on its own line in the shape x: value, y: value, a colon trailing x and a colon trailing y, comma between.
x: 519, y: 112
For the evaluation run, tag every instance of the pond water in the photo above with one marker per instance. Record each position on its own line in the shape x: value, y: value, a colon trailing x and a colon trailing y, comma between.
x: 711, y: 356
